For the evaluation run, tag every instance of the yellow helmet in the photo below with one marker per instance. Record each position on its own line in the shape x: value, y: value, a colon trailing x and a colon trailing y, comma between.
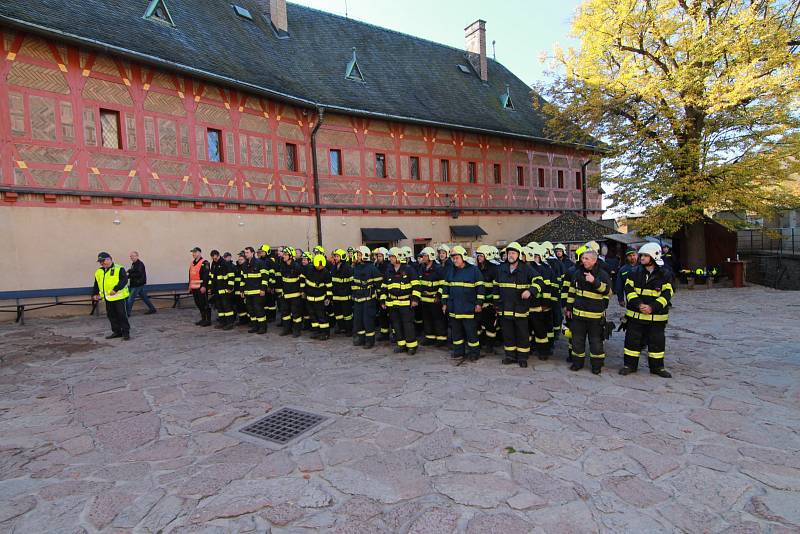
x: 486, y: 250
x: 265, y: 248
x: 458, y: 250
x: 594, y: 245
x: 444, y: 247
x: 308, y: 254
x: 407, y: 251
x: 560, y: 246
x: 319, y: 261
x: 532, y: 244
x: 364, y: 251
x: 381, y: 250
x: 291, y: 251
x: 340, y: 252
x: 429, y: 251
x: 548, y: 246
x: 396, y: 252
x: 528, y: 252
x: 580, y: 251
x: 514, y: 246
x: 539, y: 250
x: 319, y: 249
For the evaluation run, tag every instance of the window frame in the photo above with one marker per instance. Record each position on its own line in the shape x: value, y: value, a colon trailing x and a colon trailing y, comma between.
x: 542, y: 182
x: 520, y: 176
x: 560, y: 175
x: 444, y: 170
x: 497, y: 171
x: 340, y: 162
x: 380, y: 171
x: 220, y: 149
x: 578, y: 180
x: 472, y: 172
x: 291, y: 148
x: 411, y: 166
x: 108, y: 111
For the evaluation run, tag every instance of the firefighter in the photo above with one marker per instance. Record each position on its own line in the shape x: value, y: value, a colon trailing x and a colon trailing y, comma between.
x: 444, y: 258
x: 270, y: 302
x: 198, y: 284
x: 254, y: 286
x: 396, y: 292
x: 428, y: 295
x: 586, y: 305
x: 558, y: 279
x: 366, y: 283
x: 382, y: 264
x: 540, y: 319
x: 289, y: 287
x: 306, y: 259
x: 318, y: 294
x: 238, y: 283
x: 488, y: 316
x: 462, y: 300
x: 631, y: 261
x: 565, y: 296
x: 516, y: 286
x: 648, y: 294
x: 342, y: 278
x: 220, y: 289
x: 562, y: 256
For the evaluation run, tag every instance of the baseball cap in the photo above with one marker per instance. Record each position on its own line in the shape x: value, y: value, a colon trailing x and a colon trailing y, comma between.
x: 103, y: 256
x: 196, y: 249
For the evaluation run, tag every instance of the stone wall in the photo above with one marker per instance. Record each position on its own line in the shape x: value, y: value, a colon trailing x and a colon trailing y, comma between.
x: 773, y: 270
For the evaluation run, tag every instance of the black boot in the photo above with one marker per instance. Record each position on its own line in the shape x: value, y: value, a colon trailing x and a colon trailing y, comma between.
x: 253, y: 328
x: 286, y: 332
x: 508, y: 360
x: 228, y: 326
x: 663, y: 373
x: 398, y: 349
x: 358, y: 341
x: 597, y: 368
x: 523, y: 363
x: 625, y: 371
x: 369, y: 342
x: 262, y: 329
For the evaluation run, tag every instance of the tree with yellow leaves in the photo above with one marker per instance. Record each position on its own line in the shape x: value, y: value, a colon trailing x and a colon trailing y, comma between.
x: 697, y: 101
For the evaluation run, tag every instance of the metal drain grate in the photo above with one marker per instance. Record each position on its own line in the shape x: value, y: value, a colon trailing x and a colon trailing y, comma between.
x: 284, y: 425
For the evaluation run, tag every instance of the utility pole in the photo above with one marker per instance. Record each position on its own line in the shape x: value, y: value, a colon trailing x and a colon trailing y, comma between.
x: 583, y: 187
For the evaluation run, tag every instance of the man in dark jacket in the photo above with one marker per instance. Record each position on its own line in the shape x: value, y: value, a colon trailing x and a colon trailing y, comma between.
x: 111, y: 285
x: 586, y: 306
x: 255, y: 282
x: 462, y: 299
x: 399, y: 282
x: 198, y: 285
x: 428, y: 295
x: 488, y: 316
x: 515, y: 287
x: 631, y: 260
x: 220, y: 290
x: 137, y: 277
x: 364, y: 290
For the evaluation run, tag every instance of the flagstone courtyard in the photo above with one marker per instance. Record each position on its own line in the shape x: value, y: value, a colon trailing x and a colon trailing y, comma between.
x: 104, y: 435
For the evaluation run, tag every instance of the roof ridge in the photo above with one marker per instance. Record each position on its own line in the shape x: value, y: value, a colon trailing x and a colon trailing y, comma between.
x: 390, y: 30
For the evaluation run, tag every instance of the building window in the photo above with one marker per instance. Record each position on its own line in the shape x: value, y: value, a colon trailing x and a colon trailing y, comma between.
x: 520, y: 176
x: 578, y: 181
x: 541, y: 177
x: 291, y: 157
x: 214, y: 138
x: 561, y: 179
x: 336, y: 162
x: 444, y: 170
x: 380, y: 165
x: 498, y: 177
x: 414, y: 165
x: 109, y: 128
x: 472, y: 172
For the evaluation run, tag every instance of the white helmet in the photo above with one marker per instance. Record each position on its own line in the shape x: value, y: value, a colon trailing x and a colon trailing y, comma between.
x: 429, y: 251
x: 364, y: 251
x: 654, y: 251
x: 444, y: 247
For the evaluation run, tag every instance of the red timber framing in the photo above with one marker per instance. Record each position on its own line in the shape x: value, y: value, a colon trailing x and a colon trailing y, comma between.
x: 51, y: 146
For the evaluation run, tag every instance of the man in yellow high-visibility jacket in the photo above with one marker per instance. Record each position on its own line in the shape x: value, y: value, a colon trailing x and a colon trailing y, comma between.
x: 111, y: 285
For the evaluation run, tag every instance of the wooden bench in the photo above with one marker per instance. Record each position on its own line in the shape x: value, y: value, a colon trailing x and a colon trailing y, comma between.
x: 55, y: 297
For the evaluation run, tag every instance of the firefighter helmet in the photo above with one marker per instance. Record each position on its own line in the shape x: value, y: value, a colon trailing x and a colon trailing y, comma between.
x: 652, y: 250
x: 428, y: 251
x: 458, y: 250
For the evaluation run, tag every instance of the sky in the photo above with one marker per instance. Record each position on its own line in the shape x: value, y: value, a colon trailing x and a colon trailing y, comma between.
x: 522, y: 29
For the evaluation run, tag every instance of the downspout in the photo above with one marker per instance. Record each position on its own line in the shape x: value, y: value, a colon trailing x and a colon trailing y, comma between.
x: 315, y: 173
x: 583, y: 187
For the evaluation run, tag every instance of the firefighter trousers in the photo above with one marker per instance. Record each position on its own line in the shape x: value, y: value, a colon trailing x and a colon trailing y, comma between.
x: 433, y: 323
x: 465, y: 335
x: 516, y: 338
x: 488, y: 326
x: 292, y: 318
x: 640, y: 335
x: 592, y: 329
x: 255, y: 309
x: 541, y: 327
x: 402, y: 318
x: 319, y: 316
x: 364, y: 320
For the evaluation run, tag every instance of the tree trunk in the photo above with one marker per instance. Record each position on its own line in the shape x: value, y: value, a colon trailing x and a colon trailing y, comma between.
x: 695, y: 246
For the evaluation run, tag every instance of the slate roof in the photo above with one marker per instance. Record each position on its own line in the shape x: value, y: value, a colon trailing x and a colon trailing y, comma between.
x: 407, y: 78
x: 567, y: 228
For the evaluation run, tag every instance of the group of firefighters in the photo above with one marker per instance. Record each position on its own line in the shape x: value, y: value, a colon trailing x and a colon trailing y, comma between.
x: 520, y: 299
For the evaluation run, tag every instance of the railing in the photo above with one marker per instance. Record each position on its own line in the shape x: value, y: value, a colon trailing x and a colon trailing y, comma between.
x: 778, y: 240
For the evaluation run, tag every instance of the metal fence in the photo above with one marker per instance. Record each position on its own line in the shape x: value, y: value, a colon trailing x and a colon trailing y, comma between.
x: 780, y: 240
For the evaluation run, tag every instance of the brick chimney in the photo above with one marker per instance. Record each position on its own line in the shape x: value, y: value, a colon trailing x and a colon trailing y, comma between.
x: 475, y: 35
x: 275, y: 11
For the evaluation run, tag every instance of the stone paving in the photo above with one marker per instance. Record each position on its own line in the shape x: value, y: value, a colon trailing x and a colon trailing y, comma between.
x: 100, y: 435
